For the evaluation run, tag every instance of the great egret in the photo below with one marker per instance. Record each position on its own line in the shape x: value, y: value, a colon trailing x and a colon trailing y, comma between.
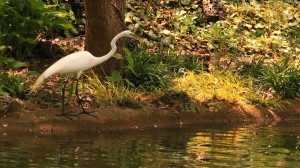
x: 74, y: 64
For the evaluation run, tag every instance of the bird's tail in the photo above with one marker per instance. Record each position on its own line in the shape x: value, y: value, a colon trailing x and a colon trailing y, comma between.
x: 39, y: 81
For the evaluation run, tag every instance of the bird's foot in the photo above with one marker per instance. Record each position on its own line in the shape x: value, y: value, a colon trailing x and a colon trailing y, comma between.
x: 68, y: 115
x: 89, y: 113
x: 80, y: 101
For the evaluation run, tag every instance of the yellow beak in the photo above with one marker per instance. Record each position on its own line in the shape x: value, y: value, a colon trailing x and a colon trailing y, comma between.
x: 134, y: 36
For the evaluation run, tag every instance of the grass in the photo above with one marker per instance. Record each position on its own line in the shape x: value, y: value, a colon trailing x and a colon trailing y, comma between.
x: 155, y: 70
x: 223, y: 85
x: 202, y: 87
x: 215, y: 85
x: 103, y: 89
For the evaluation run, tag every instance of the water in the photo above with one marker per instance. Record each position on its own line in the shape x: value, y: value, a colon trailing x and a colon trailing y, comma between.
x: 211, y: 145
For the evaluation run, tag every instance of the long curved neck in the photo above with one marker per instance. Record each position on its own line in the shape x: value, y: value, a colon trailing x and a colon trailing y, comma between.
x: 112, y: 51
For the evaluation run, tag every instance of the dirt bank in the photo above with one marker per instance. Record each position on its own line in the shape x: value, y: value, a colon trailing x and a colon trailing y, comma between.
x: 112, y: 117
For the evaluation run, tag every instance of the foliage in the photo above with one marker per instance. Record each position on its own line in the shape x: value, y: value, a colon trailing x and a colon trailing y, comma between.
x: 224, y: 42
x: 223, y: 85
x: 144, y: 71
x: 254, y: 31
x: 106, y: 89
x: 215, y: 85
x: 282, y: 77
x: 11, y: 84
x: 251, y: 34
x: 253, y: 68
x: 259, y: 33
x: 171, y: 23
x: 23, y: 21
x: 66, y: 8
x: 155, y: 70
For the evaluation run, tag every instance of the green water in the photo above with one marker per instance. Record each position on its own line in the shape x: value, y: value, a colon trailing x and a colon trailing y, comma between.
x: 210, y: 145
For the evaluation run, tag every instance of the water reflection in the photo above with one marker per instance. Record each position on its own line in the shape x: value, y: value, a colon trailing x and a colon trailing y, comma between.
x: 212, y: 145
x: 249, y: 146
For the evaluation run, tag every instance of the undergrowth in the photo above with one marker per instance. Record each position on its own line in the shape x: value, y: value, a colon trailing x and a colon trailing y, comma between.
x: 22, y: 22
x: 223, y: 85
x: 150, y: 71
x: 105, y: 89
x: 12, y: 84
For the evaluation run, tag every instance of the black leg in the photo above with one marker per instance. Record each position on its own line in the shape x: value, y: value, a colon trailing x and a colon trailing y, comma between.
x: 63, y: 113
x: 63, y: 97
x: 79, y: 101
x: 176, y: 113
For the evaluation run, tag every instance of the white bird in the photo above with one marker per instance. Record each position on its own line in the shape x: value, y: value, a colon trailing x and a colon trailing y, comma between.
x: 74, y: 64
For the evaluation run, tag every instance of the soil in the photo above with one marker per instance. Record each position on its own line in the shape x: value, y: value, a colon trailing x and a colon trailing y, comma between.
x: 33, y: 118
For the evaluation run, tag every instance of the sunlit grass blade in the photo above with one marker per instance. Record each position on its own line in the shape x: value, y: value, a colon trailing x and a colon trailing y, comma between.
x: 221, y: 85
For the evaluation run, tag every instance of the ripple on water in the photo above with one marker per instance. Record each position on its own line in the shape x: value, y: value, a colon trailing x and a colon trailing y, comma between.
x: 195, y: 146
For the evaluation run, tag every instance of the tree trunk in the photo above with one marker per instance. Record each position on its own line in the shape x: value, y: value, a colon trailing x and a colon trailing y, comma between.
x: 104, y: 20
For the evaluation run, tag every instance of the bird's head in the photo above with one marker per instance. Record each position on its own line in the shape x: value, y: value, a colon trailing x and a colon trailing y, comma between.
x: 129, y: 34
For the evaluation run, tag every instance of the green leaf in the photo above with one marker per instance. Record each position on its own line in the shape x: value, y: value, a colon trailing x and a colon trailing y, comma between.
x: 166, y: 32
x: 33, y: 74
x: 129, y: 57
x: 36, y: 5
x: 127, y: 52
x: 185, y: 2
x: 2, y: 2
x: 166, y: 41
x: 152, y: 35
x: 63, y: 23
x: 4, y: 47
x: 12, y: 63
x: 2, y: 59
x: 118, y: 56
x: 130, y: 60
x: 19, y: 64
x: 3, y: 93
x: 116, y: 76
x: 129, y: 83
x: 71, y: 90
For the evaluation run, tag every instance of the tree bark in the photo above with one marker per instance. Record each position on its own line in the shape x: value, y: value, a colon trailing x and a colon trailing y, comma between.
x: 104, y: 20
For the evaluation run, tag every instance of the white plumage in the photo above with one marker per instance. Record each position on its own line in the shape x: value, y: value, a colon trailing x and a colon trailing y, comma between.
x: 76, y: 63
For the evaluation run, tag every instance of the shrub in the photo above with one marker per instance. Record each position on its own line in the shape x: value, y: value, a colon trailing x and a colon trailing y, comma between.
x: 175, y: 24
x: 109, y: 89
x: 11, y: 84
x: 144, y: 72
x: 222, y: 85
x: 23, y: 21
x: 281, y: 77
x: 155, y: 70
x: 223, y: 41
x: 254, y: 31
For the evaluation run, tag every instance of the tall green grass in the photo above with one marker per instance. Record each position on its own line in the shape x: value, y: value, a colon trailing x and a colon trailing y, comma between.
x: 281, y: 77
x: 144, y: 72
x: 224, y: 85
x: 152, y: 71
x: 105, y: 89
